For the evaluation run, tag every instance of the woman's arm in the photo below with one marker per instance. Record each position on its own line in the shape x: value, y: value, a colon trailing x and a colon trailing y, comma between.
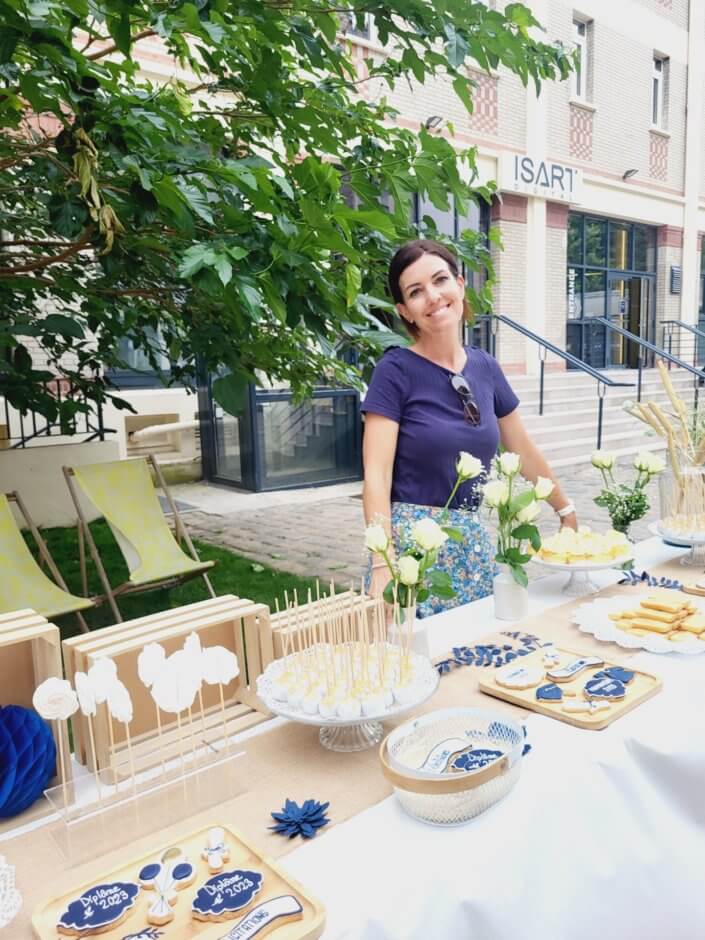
x: 515, y: 438
x: 378, y: 450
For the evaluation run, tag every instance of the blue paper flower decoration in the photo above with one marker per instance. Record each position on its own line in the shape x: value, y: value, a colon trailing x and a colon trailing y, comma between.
x: 27, y: 758
x: 295, y: 820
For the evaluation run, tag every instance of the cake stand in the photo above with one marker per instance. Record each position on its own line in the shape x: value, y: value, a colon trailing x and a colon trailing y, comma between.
x: 579, y: 583
x: 696, y: 544
x: 345, y: 734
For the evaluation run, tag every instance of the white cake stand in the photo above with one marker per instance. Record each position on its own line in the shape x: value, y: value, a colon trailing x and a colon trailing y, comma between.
x: 579, y: 583
x: 696, y: 544
x: 345, y: 734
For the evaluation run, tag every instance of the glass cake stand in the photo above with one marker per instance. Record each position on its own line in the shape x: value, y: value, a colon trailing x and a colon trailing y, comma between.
x: 579, y: 584
x: 695, y: 542
x: 346, y: 734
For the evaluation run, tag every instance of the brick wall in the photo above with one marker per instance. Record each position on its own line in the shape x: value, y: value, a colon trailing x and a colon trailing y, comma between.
x: 674, y: 10
x: 509, y: 295
x: 670, y: 252
x: 556, y: 252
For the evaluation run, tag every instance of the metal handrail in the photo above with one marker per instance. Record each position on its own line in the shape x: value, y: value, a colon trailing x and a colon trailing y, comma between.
x: 679, y: 324
x: 658, y: 351
x: 545, y: 346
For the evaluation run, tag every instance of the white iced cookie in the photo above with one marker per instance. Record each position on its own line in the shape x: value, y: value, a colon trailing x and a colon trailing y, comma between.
x: 516, y: 676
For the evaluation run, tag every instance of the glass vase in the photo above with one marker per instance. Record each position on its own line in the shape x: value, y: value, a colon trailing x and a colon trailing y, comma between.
x: 682, y: 510
x: 511, y: 600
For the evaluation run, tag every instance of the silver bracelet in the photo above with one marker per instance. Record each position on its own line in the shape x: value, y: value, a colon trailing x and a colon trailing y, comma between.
x: 566, y: 510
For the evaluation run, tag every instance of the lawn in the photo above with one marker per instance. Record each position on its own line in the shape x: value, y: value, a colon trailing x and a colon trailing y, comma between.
x: 232, y: 574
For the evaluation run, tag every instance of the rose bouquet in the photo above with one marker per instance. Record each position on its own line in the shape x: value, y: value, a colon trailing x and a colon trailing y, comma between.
x: 518, y: 506
x: 626, y: 503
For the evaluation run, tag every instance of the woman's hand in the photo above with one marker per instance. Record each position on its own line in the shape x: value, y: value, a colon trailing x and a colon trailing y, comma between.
x: 570, y: 521
x: 378, y: 580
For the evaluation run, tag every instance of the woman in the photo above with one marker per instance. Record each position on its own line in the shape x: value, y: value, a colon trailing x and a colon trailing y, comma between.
x: 425, y: 404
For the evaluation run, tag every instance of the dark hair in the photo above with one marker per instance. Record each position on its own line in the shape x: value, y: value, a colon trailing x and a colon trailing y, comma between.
x: 406, y: 255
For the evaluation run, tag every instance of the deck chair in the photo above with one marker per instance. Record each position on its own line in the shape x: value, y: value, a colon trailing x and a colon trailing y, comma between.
x: 23, y: 583
x: 122, y: 491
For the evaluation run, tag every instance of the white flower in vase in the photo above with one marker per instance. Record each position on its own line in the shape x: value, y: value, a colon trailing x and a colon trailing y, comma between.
x: 509, y: 463
x: 376, y: 538
x: 496, y: 493
x: 543, y: 487
x: 529, y: 513
x: 408, y: 570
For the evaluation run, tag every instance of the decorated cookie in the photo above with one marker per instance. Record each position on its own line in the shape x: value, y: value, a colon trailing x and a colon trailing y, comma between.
x: 149, y: 933
x: 223, y: 895
x: 216, y: 852
x: 165, y: 878
x: 519, y: 677
x: 265, y: 917
x: 549, y: 693
x: 98, y: 909
x: 571, y: 670
x: 605, y: 688
x: 590, y: 707
x: 474, y: 759
x: 442, y: 754
x: 616, y: 672
x: 551, y: 656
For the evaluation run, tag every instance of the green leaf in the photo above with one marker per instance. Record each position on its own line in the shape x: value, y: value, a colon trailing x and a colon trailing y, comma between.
x: 195, y: 258
x: 461, y: 86
x: 455, y: 534
x: 237, y: 253
x: 224, y: 268
x: 530, y: 532
x: 58, y: 323
x: 353, y: 282
x: 516, y: 557
x: 230, y: 391
x: 445, y: 593
x: 521, y: 501
x: 519, y: 575
x: 456, y: 46
x: 8, y: 43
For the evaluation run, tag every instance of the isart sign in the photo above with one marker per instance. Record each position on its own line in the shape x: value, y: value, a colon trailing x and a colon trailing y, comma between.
x: 521, y: 173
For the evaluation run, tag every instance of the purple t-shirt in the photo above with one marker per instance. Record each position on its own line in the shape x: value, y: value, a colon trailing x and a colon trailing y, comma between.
x: 417, y: 394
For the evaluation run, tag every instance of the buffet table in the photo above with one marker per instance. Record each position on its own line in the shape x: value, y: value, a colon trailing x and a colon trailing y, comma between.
x: 603, y: 835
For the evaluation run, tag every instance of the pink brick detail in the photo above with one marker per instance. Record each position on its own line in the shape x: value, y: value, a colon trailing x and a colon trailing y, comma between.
x: 556, y: 215
x: 511, y: 208
x: 666, y: 3
x: 580, y: 133
x: 670, y: 236
x: 658, y: 157
x: 485, y: 99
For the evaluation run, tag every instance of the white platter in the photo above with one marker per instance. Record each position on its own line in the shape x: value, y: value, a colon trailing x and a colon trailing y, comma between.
x: 593, y: 618
x: 346, y: 734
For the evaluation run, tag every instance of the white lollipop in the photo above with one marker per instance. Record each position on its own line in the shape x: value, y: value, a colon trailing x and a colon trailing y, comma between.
x: 101, y: 675
x: 175, y: 686
x: 219, y: 665
x: 55, y: 700
x: 149, y: 662
x: 119, y: 702
x: 10, y: 897
x: 85, y: 693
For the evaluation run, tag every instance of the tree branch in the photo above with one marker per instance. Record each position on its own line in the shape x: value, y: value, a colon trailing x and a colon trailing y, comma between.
x: 113, y: 46
x: 72, y: 249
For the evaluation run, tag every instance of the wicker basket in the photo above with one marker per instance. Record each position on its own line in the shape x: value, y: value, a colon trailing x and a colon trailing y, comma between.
x: 451, y: 798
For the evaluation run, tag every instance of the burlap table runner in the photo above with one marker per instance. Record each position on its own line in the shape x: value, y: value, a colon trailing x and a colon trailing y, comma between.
x: 288, y: 761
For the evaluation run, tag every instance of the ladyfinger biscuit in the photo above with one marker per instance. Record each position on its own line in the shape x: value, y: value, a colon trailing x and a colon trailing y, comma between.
x: 641, y: 623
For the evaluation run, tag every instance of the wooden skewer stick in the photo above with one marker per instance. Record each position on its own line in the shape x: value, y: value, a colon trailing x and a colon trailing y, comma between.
x: 181, y: 746
x: 64, y: 766
x: 111, y: 736
x: 161, y: 743
x: 131, y: 758
x: 95, y: 758
x: 226, y: 739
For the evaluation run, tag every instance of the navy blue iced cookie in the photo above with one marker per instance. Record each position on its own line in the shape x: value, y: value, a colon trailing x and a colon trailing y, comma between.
x: 616, y: 672
x: 225, y: 894
x: 604, y: 688
x: 98, y: 908
x: 475, y: 759
x: 549, y: 693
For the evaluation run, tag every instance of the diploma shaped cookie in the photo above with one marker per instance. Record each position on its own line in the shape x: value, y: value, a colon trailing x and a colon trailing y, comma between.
x: 98, y: 909
x: 216, y: 853
x: 519, y: 677
x: 223, y: 895
x: 571, y: 670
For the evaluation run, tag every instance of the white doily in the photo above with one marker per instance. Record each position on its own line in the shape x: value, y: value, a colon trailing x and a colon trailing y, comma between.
x: 10, y: 897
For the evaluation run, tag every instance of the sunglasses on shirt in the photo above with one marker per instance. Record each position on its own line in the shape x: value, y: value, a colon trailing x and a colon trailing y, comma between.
x: 470, y: 410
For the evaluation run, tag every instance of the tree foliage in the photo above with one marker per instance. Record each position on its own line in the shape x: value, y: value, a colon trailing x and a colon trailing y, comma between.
x: 217, y: 210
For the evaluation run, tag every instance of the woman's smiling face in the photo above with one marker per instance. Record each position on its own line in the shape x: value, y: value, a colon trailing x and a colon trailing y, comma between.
x: 433, y: 295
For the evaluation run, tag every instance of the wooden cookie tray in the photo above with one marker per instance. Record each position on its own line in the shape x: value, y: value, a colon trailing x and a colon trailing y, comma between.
x: 275, y: 883
x: 641, y: 688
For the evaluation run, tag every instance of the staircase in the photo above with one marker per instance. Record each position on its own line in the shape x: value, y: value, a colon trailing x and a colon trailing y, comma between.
x: 567, y: 430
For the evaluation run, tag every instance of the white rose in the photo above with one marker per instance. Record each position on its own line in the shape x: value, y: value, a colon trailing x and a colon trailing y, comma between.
x: 468, y: 466
x: 543, y: 487
x: 428, y: 534
x: 496, y: 493
x: 55, y: 700
x: 408, y: 570
x: 529, y: 513
x: 603, y: 460
x: 509, y: 463
x: 649, y: 463
x: 376, y: 539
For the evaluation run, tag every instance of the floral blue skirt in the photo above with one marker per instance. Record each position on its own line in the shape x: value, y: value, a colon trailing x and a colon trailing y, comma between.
x: 470, y: 563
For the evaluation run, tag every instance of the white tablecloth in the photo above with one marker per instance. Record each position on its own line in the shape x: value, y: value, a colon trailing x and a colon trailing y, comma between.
x: 602, y: 837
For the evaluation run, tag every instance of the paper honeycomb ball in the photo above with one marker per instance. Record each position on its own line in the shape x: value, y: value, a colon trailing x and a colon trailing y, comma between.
x: 27, y: 758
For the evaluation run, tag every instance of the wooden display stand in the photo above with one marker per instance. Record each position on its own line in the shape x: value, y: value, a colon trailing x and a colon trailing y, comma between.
x: 235, y: 623
x: 30, y: 648
x: 287, y: 624
x: 641, y: 688
x: 275, y: 883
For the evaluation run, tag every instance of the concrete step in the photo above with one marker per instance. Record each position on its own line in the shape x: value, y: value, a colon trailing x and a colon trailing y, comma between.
x: 584, y: 458
x: 584, y: 444
x: 550, y: 431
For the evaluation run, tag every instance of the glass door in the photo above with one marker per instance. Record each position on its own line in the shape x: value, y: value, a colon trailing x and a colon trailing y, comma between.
x: 628, y: 306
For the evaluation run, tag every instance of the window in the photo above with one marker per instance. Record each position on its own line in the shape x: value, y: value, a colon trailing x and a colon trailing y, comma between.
x: 138, y: 371
x: 356, y: 24
x: 580, y: 77
x: 658, y: 92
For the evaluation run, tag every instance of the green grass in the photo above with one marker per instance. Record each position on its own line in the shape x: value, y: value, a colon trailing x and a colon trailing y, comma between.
x: 232, y: 574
